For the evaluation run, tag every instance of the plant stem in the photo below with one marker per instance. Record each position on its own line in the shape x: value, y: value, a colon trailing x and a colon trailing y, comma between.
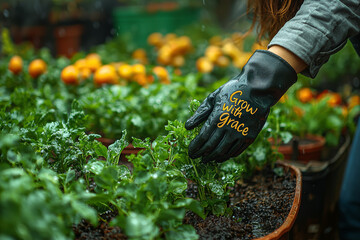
x: 200, y: 187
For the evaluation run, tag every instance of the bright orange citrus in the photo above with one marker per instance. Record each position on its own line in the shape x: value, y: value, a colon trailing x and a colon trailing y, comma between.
x: 106, y: 74
x: 240, y: 60
x: 15, y: 65
x: 93, y: 61
x: 155, y: 39
x: 140, y: 55
x: 204, y: 65
x: 162, y: 74
x: 222, y: 61
x: 305, y: 95
x: 70, y: 75
x: 85, y: 73
x: 125, y: 71
x: 36, y: 68
x: 138, y: 68
x: 213, y: 53
x: 80, y: 64
x: 141, y: 79
x: 178, y: 61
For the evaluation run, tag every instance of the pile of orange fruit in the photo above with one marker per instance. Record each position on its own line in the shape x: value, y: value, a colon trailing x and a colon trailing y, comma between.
x: 112, y: 73
x: 221, y: 52
x: 170, y: 48
x: 36, y: 68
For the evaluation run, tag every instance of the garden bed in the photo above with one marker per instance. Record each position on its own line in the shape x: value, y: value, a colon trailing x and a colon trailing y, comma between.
x: 260, y: 205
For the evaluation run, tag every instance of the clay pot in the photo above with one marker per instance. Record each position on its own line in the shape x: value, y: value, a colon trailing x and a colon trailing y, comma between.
x: 68, y: 39
x: 282, y: 232
x: 305, y: 150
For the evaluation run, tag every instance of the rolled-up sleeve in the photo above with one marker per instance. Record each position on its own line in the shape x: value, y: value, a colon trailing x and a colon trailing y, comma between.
x: 318, y: 30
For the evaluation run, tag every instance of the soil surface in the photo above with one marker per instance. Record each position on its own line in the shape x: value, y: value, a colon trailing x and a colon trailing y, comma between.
x: 260, y: 206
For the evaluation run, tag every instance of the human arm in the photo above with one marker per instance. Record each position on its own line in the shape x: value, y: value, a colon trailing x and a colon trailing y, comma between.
x: 318, y: 30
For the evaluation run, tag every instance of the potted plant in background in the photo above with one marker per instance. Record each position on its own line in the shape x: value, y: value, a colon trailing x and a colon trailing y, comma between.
x: 314, y: 122
x: 330, y: 116
x: 67, y: 18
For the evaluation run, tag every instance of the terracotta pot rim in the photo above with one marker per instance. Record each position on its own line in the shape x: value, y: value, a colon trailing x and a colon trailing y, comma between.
x: 290, y: 219
x: 314, y: 146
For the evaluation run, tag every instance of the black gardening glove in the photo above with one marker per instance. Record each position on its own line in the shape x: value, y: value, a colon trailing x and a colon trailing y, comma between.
x: 236, y: 112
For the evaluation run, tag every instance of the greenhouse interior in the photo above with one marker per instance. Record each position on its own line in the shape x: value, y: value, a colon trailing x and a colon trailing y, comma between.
x: 169, y: 119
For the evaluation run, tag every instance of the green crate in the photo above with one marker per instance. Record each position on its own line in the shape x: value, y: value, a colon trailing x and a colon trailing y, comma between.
x: 139, y: 23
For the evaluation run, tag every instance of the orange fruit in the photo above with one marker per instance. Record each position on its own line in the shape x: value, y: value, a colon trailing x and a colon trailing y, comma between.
x: 141, y: 79
x: 354, y: 101
x: 170, y: 36
x: 70, y: 75
x: 165, y: 55
x: 213, y: 53
x: 305, y: 95
x: 140, y: 55
x: 80, y: 64
x: 335, y: 99
x: 162, y: 74
x: 138, y: 68
x: 93, y: 55
x: 36, y: 68
x: 15, y: 64
x: 204, y: 65
x: 106, y: 74
x: 93, y: 61
x: 184, y: 45
x: 178, y: 61
x: 85, y: 73
x: 222, y: 61
x: 230, y: 49
x: 155, y: 39
x: 125, y: 71
x: 240, y: 60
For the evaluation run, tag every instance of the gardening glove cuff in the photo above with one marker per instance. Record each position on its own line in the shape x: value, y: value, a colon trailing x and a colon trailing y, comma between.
x: 235, y: 113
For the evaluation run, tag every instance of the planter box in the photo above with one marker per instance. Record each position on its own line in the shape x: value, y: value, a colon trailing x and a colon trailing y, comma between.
x: 104, y: 230
x: 320, y: 193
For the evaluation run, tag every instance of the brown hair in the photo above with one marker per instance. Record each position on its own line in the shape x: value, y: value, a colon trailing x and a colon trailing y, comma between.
x: 271, y: 15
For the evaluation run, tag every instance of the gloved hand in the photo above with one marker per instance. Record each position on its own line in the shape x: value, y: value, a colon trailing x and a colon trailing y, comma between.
x: 235, y: 113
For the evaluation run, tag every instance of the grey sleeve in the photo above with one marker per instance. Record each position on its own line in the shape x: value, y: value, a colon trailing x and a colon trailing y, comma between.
x: 318, y: 30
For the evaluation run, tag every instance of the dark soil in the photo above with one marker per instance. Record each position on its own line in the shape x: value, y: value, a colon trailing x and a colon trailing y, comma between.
x: 260, y: 206
x: 85, y: 231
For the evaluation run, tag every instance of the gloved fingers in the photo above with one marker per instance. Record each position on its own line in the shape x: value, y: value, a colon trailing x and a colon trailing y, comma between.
x: 209, y: 145
x: 206, y: 132
x: 202, y: 112
x: 237, y: 149
x: 220, y: 153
